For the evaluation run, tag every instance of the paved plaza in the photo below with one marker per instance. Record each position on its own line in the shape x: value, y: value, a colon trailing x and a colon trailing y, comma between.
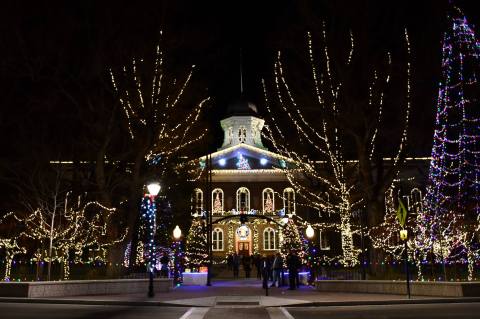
x: 242, y: 298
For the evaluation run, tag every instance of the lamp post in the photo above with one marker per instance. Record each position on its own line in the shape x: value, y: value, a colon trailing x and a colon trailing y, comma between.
x: 404, y: 237
x: 177, y: 234
x: 150, y: 215
x: 309, y: 232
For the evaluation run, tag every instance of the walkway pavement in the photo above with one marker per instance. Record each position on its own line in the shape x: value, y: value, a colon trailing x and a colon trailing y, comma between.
x: 243, y: 293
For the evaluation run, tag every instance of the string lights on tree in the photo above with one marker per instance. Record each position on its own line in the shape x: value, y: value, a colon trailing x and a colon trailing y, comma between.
x: 450, y: 220
x: 159, y: 126
x: 347, y: 183
x: 196, y: 246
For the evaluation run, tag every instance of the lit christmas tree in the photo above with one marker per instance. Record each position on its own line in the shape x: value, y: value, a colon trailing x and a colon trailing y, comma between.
x: 242, y: 162
x: 268, y: 204
x: 291, y: 240
x: 452, y: 200
x: 217, y: 204
x: 196, y: 249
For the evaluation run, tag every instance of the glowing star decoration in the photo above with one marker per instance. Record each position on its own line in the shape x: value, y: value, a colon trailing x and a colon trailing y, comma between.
x: 242, y: 163
x: 450, y: 221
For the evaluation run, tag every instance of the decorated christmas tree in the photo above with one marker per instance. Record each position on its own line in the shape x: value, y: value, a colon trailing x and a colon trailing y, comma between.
x: 268, y: 204
x: 452, y: 200
x: 217, y: 204
x: 242, y: 162
x: 291, y: 240
x: 196, y: 248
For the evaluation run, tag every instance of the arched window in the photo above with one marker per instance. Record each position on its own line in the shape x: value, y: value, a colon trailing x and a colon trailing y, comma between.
x: 197, y: 202
x: 324, y: 242
x: 268, y: 199
x: 242, y: 134
x: 243, y: 199
x: 217, y: 201
x: 217, y: 239
x: 230, y: 135
x: 289, y: 200
x: 269, y: 240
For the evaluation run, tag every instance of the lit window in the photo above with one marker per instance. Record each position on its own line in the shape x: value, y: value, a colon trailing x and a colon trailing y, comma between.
x: 324, y: 242
x: 217, y: 201
x: 269, y: 240
x: 197, y: 202
x: 242, y: 134
x: 243, y: 199
x: 289, y: 200
x: 268, y: 198
x: 217, y: 239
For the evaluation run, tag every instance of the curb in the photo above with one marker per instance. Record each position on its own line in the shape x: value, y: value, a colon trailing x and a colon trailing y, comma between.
x: 95, y: 302
x: 305, y: 304
x: 387, y: 302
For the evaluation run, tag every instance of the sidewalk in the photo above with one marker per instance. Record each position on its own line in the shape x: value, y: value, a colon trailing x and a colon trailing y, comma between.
x: 244, y: 293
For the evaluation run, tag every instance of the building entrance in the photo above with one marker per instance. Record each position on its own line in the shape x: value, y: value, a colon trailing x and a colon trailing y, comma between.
x: 243, y: 248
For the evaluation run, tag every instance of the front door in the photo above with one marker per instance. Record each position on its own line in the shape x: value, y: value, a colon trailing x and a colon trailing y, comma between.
x: 244, y: 249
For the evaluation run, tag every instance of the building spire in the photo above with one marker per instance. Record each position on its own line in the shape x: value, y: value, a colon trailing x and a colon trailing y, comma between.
x: 241, y: 74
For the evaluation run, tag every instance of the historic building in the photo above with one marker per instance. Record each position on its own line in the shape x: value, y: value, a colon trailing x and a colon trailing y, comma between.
x: 246, y: 179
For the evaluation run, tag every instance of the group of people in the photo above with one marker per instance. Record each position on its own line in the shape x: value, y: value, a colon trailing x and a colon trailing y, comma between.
x: 269, y: 268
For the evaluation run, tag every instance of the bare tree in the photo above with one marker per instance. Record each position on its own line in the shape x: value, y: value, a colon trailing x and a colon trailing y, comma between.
x: 336, y: 136
x: 159, y: 127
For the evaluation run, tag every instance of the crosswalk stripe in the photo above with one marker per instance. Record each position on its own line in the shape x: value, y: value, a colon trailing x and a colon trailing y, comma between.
x: 279, y: 313
x: 195, y: 313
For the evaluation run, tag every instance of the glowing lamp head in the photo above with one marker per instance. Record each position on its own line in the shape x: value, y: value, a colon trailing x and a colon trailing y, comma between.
x: 263, y: 161
x: 222, y: 162
x: 310, y: 232
x: 403, y: 234
x: 153, y: 189
x: 177, y: 232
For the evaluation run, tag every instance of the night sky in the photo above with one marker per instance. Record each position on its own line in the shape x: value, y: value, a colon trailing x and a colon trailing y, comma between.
x: 56, y: 54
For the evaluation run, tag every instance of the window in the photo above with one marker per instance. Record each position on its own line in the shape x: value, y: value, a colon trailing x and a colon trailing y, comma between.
x: 324, y: 243
x: 268, y: 199
x: 217, y: 239
x: 197, y: 202
x: 230, y: 135
x: 217, y: 201
x: 289, y: 200
x: 242, y: 134
x: 269, y: 240
x: 243, y: 199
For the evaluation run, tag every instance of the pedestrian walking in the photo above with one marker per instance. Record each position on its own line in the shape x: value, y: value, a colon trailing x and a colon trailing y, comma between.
x: 164, y: 260
x: 293, y: 263
x: 247, y: 265
x: 235, y: 265
x: 266, y: 266
x: 277, y: 267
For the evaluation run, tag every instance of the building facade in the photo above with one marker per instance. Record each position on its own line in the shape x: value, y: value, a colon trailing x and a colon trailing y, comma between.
x: 247, y: 179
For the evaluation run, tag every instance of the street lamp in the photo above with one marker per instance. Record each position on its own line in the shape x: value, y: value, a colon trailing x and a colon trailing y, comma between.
x: 177, y: 234
x: 310, y: 232
x: 153, y: 190
x: 404, y: 237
